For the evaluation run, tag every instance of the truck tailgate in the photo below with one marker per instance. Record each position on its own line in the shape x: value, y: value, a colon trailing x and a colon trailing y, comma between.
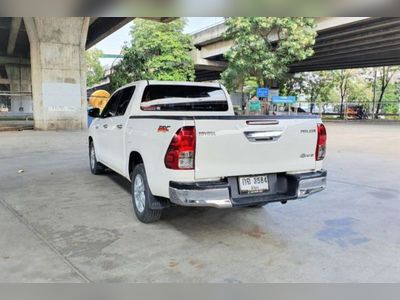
x: 246, y: 146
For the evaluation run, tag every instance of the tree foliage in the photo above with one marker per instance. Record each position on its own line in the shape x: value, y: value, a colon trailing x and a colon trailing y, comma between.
x: 158, y: 51
x: 316, y: 86
x: 384, y: 88
x: 264, y: 47
x: 360, y: 91
x: 351, y: 86
x: 95, y: 71
x: 343, y: 79
x: 384, y: 77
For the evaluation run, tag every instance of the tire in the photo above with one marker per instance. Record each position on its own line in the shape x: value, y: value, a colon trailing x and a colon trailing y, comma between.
x: 95, y: 167
x: 142, y: 197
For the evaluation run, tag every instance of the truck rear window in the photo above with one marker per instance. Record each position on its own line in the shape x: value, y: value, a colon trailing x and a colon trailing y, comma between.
x: 184, y: 98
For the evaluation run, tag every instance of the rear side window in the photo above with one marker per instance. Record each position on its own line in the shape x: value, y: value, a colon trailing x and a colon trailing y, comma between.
x: 183, y: 98
x: 125, y: 98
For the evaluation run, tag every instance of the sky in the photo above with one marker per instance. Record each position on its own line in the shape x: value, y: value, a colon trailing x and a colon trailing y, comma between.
x: 114, y: 42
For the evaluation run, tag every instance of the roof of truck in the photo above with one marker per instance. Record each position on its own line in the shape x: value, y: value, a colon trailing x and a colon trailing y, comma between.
x: 162, y: 82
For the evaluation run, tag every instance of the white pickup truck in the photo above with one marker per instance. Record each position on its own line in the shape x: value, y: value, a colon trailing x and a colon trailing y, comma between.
x: 180, y: 143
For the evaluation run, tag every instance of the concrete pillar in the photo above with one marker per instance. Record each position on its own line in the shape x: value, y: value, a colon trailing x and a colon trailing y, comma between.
x: 20, y: 87
x: 58, y: 71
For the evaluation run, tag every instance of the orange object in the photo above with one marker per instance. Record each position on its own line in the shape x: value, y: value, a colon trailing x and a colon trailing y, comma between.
x: 99, y: 99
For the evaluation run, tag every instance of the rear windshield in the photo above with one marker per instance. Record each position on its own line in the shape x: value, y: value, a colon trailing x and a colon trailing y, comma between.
x: 184, y: 98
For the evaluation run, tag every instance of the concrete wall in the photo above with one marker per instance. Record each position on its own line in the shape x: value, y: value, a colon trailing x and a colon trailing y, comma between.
x: 58, y: 71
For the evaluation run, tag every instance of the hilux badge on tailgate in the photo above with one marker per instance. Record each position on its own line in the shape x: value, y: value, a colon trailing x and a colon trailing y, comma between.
x: 163, y: 128
x: 207, y: 133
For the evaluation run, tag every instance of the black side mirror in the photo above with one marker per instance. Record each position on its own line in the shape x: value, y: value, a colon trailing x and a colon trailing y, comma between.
x: 94, y: 112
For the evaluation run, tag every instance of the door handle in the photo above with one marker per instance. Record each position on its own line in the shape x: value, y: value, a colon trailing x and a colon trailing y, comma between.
x: 105, y: 126
x: 255, y: 136
x: 119, y: 126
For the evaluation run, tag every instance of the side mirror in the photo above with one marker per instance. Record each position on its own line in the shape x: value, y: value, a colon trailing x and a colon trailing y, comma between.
x: 94, y: 112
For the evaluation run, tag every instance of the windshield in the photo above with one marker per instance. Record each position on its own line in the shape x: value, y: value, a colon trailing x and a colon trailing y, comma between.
x: 184, y: 98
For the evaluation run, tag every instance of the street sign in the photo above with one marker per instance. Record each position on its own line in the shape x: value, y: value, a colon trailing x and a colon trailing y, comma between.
x: 284, y: 99
x: 272, y: 93
x: 262, y: 92
x: 255, y: 106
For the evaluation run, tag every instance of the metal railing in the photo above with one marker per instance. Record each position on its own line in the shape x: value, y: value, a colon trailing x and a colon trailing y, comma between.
x: 353, y: 110
x: 16, y: 105
x: 389, y: 110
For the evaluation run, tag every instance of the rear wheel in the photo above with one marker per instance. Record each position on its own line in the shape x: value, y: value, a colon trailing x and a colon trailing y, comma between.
x: 142, y: 197
x: 95, y: 167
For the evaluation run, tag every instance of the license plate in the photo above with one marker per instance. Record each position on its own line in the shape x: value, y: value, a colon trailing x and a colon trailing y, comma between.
x: 253, y: 184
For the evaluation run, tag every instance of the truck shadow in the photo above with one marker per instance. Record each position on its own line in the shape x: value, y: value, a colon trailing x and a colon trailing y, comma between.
x: 233, y: 227
x: 121, y: 181
x: 196, y: 222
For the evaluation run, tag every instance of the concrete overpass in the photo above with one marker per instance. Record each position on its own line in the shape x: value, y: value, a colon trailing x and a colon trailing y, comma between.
x: 342, y: 42
x: 42, y: 58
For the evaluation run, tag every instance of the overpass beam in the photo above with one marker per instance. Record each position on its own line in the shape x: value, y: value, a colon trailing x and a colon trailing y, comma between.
x: 207, y: 64
x: 12, y: 38
x: 57, y: 47
x: 14, y: 60
x: 5, y: 81
x: 100, y: 28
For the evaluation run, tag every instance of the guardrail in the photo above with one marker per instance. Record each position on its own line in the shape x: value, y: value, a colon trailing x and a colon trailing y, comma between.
x: 16, y: 105
x: 389, y: 110
x: 353, y: 110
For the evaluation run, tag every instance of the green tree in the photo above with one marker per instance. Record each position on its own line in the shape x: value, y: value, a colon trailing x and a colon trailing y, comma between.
x: 264, y: 47
x: 385, y: 76
x: 360, y: 92
x: 316, y: 86
x: 391, y: 102
x: 384, y: 88
x: 95, y: 71
x: 343, y: 80
x: 158, y: 51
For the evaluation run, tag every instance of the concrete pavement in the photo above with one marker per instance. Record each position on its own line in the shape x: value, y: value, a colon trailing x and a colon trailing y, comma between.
x: 61, y: 223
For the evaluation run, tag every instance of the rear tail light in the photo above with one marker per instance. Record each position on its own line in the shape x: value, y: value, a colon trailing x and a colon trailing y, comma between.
x: 181, y: 151
x: 321, y: 142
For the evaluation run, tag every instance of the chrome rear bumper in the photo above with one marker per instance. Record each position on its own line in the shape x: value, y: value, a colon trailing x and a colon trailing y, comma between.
x: 225, y: 194
x: 218, y: 198
x: 311, y: 186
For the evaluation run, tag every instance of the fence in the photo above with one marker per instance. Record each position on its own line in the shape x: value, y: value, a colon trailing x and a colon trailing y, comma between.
x: 19, y: 106
x: 353, y: 110
x: 16, y: 105
x: 332, y: 110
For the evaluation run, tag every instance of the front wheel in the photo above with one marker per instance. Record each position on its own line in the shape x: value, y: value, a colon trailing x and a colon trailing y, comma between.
x: 142, y: 197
